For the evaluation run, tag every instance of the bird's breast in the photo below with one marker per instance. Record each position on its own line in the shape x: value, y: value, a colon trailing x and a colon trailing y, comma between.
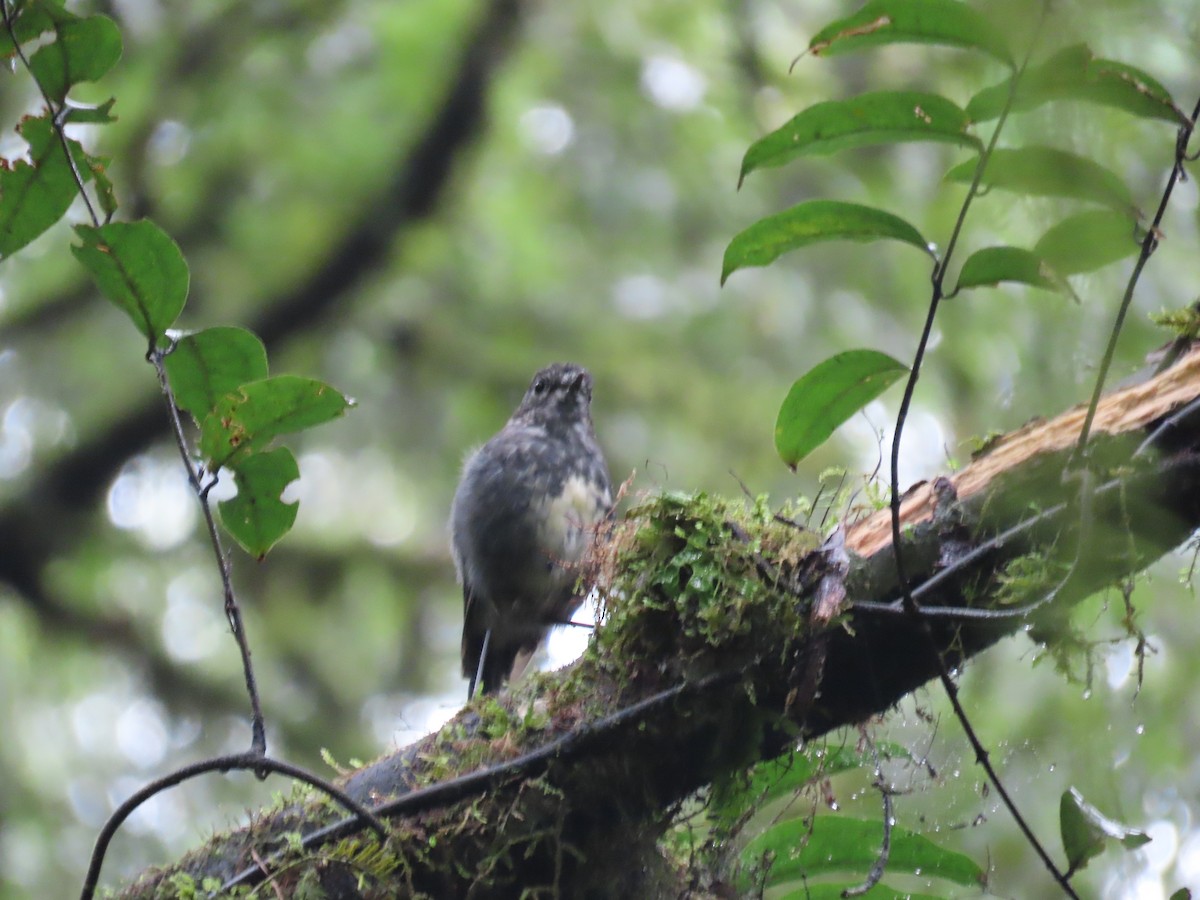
x: 567, y: 518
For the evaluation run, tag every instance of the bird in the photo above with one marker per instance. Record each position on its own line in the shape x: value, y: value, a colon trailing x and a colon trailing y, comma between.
x: 523, y: 516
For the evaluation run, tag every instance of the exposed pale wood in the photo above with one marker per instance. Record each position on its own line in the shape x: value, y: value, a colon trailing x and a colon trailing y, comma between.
x: 1129, y: 409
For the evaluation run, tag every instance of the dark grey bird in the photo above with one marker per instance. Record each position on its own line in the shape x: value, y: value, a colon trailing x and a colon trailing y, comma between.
x: 523, y: 516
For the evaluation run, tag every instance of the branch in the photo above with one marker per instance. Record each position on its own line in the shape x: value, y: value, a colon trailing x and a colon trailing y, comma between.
x: 701, y: 665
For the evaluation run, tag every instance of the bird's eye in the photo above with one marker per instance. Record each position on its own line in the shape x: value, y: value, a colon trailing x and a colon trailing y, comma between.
x: 539, y: 386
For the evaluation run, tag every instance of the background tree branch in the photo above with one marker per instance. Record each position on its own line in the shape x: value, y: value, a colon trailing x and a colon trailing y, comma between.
x: 57, y: 504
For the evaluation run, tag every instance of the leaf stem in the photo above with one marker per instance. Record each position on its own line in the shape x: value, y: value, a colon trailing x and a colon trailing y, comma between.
x: 1149, y: 245
x: 911, y: 607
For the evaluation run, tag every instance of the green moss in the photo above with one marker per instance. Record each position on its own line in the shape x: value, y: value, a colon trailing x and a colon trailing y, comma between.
x: 1184, y: 322
x: 1026, y: 578
x: 980, y: 446
x: 696, y: 575
x: 366, y: 856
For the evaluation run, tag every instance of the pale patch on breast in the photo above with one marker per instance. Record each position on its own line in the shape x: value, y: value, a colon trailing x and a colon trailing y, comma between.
x: 567, y: 520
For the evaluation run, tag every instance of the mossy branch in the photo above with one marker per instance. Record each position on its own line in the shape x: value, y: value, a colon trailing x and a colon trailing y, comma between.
x: 727, y: 635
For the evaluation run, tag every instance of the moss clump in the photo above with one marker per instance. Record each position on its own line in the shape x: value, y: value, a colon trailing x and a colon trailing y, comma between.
x: 1184, y: 322
x: 692, y: 575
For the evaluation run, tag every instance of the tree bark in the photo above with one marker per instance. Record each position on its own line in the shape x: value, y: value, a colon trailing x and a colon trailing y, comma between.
x: 726, y: 634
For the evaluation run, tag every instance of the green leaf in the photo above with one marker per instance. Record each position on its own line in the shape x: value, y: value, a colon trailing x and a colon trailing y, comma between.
x: 90, y: 115
x: 829, y: 394
x: 1075, y: 73
x: 886, y: 117
x: 787, y: 774
x: 29, y: 21
x: 247, y: 419
x: 1085, y: 830
x: 34, y: 195
x: 1047, y: 172
x: 945, y: 22
x: 811, y: 223
x: 826, y: 891
x: 83, y: 50
x: 257, y: 517
x: 105, y: 192
x: 831, y: 844
x: 1087, y: 241
x: 207, y: 365
x: 139, y: 268
x: 992, y: 265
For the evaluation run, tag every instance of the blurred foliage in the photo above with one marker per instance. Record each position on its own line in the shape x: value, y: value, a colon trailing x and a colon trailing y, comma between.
x: 424, y: 202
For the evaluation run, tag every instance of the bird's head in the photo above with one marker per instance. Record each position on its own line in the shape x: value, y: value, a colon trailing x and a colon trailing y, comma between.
x: 561, y: 392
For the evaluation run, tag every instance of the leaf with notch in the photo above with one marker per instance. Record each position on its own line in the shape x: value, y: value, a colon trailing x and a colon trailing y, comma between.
x: 829, y: 394
x: 883, y: 117
x: 945, y: 22
x: 83, y: 50
x: 36, y: 194
x: 810, y: 223
x: 257, y: 517
x: 29, y: 20
x: 1048, y: 172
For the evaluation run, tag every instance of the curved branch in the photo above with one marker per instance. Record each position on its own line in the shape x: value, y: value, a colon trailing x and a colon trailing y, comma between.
x: 253, y: 761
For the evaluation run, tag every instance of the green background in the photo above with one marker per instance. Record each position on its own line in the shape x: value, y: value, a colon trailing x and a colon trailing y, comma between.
x: 582, y: 216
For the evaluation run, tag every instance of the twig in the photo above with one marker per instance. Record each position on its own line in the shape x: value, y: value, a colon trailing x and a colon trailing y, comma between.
x: 910, y: 605
x: 258, y: 732
x: 255, y: 759
x: 155, y: 357
x: 251, y: 761
x: 1149, y: 245
x: 875, y: 874
x: 56, y: 113
x: 1167, y: 426
x: 254, y: 854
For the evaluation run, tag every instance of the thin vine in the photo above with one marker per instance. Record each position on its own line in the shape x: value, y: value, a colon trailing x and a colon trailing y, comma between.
x: 912, y: 609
